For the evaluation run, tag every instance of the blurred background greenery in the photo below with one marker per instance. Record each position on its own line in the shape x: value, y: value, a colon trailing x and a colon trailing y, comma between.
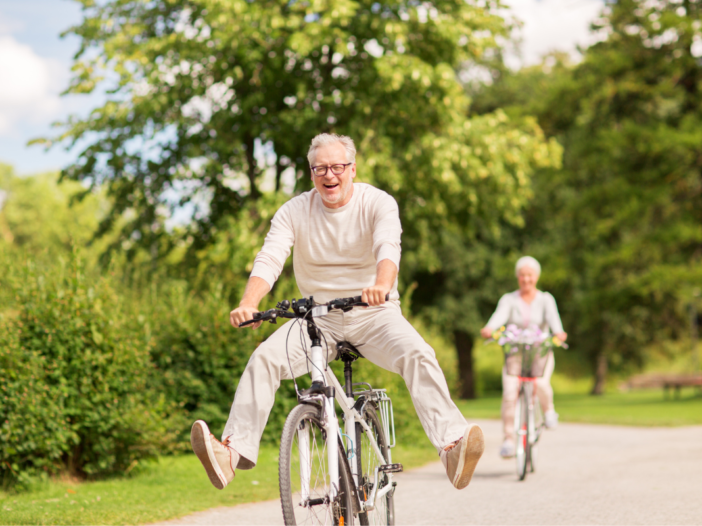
x: 117, y: 275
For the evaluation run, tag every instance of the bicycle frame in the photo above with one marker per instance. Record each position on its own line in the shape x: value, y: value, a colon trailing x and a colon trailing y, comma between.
x: 529, y: 385
x: 334, y: 435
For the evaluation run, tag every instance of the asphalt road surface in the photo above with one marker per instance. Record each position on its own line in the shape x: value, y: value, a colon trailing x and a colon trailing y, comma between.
x: 586, y: 474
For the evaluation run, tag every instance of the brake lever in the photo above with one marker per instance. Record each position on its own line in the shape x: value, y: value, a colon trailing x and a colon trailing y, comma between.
x: 258, y: 316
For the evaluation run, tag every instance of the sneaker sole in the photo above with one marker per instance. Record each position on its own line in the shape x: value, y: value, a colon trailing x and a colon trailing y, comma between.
x: 202, y: 446
x: 472, y: 448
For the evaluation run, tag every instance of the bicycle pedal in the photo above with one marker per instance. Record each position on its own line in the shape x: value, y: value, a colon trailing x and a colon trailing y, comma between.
x: 390, y: 468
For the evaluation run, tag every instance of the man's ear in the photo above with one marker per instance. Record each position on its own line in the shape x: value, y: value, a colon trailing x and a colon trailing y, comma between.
x: 353, y: 171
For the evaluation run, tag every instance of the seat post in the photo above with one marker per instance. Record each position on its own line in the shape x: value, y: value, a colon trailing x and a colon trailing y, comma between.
x: 349, y: 379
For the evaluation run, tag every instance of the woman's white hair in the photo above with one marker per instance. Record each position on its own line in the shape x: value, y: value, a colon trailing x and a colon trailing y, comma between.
x: 527, y: 261
x: 330, y: 138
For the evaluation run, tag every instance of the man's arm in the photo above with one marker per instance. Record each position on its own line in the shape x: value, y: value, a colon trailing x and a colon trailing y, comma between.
x: 256, y: 289
x: 386, y: 273
x: 267, y: 266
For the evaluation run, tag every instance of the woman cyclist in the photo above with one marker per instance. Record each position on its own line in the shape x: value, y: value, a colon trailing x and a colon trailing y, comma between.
x: 523, y: 307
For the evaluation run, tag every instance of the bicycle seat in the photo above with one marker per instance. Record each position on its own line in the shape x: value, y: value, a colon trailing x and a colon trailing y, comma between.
x: 347, y: 352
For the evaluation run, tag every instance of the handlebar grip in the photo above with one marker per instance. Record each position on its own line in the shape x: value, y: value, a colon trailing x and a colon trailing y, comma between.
x: 248, y: 322
x: 359, y: 299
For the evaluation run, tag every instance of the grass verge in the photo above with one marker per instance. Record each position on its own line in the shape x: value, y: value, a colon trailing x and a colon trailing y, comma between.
x: 636, y: 408
x: 166, y: 489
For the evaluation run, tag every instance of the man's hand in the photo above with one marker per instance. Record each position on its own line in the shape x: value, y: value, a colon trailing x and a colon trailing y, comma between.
x: 256, y: 288
x: 384, y: 281
x: 375, y: 295
x: 486, y: 332
x: 241, y: 314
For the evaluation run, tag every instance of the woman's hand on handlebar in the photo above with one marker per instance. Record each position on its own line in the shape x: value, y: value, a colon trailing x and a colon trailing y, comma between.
x: 243, y: 313
x: 375, y: 295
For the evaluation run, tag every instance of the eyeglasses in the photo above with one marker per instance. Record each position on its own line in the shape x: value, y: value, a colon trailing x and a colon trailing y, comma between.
x: 337, y: 169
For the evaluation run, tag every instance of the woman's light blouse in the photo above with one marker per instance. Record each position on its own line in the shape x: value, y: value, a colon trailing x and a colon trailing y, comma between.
x: 513, y: 309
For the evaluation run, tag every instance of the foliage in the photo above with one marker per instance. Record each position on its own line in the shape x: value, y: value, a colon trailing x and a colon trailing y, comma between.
x: 35, y: 213
x: 197, y: 85
x: 74, y: 377
x: 620, y: 227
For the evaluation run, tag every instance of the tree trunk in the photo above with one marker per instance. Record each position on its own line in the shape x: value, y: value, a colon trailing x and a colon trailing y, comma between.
x: 251, y: 168
x: 600, y: 374
x: 278, y: 172
x: 464, y: 349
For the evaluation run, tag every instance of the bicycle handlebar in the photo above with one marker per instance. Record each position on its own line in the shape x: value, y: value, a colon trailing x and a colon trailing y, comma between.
x: 301, y: 309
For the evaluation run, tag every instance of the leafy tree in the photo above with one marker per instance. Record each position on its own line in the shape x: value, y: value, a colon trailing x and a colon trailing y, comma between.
x: 622, y: 222
x: 35, y: 216
x: 195, y: 87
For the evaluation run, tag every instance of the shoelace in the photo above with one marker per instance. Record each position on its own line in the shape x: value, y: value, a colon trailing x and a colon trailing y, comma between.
x: 452, y: 445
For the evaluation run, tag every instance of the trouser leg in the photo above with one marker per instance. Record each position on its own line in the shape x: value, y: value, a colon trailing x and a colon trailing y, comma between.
x: 510, y: 392
x: 255, y: 394
x: 543, y: 385
x: 392, y: 343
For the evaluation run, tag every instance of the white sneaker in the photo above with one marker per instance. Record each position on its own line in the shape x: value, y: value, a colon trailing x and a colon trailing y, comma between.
x: 507, y: 449
x: 551, y: 419
x: 218, y: 459
x: 461, y: 457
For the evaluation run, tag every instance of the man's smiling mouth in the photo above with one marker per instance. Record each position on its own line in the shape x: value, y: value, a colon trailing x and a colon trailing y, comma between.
x: 331, y: 185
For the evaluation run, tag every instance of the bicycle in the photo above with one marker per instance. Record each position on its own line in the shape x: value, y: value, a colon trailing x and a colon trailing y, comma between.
x: 327, y: 476
x: 526, y: 353
x: 528, y: 416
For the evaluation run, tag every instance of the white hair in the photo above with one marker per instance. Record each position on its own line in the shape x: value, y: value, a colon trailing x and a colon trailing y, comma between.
x: 330, y: 138
x: 527, y: 261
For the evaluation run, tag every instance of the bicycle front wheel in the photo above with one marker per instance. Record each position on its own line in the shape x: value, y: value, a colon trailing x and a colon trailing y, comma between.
x: 538, y: 428
x: 367, y: 460
x: 305, y: 487
x: 521, y: 433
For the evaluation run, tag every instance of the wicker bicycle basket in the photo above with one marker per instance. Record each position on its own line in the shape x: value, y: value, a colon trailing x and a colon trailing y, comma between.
x: 527, y: 362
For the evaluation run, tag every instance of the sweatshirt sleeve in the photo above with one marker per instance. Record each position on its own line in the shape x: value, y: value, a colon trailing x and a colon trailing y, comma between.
x: 501, y: 315
x: 552, y: 316
x: 276, y: 248
x: 387, y: 230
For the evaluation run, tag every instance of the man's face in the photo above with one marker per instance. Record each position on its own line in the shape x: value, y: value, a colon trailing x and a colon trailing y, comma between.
x: 335, y: 190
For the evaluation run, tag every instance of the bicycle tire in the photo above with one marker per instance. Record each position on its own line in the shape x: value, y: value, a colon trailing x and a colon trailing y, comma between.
x: 538, y: 428
x: 366, y: 462
x: 521, y: 433
x: 307, y: 417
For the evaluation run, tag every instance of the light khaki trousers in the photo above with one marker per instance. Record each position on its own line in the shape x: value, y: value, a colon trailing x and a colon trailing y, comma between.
x: 382, y: 335
x: 510, y: 392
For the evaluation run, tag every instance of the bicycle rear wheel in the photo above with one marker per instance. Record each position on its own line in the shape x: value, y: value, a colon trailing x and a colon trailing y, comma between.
x: 367, y: 460
x: 305, y: 488
x: 521, y: 433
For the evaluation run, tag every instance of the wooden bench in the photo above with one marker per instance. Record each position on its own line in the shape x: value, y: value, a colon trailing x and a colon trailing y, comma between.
x: 667, y: 381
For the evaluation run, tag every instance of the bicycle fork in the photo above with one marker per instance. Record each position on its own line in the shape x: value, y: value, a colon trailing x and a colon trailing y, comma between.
x: 530, y: 392
x: 330, y: 423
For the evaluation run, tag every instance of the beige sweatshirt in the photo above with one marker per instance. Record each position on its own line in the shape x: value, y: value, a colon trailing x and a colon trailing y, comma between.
x: 336, y: 249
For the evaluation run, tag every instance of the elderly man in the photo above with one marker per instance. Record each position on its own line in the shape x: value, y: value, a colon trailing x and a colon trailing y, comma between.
x: 346, y: 237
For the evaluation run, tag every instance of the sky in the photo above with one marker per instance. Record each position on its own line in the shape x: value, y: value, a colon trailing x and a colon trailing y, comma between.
x: 35, y: 66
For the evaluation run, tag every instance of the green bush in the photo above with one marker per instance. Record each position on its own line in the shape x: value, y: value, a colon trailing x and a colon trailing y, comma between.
x: 199, y: 357
x: 75, y: 378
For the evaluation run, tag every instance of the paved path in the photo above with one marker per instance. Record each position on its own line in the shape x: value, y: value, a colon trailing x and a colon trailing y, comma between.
x: 586, y: 474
